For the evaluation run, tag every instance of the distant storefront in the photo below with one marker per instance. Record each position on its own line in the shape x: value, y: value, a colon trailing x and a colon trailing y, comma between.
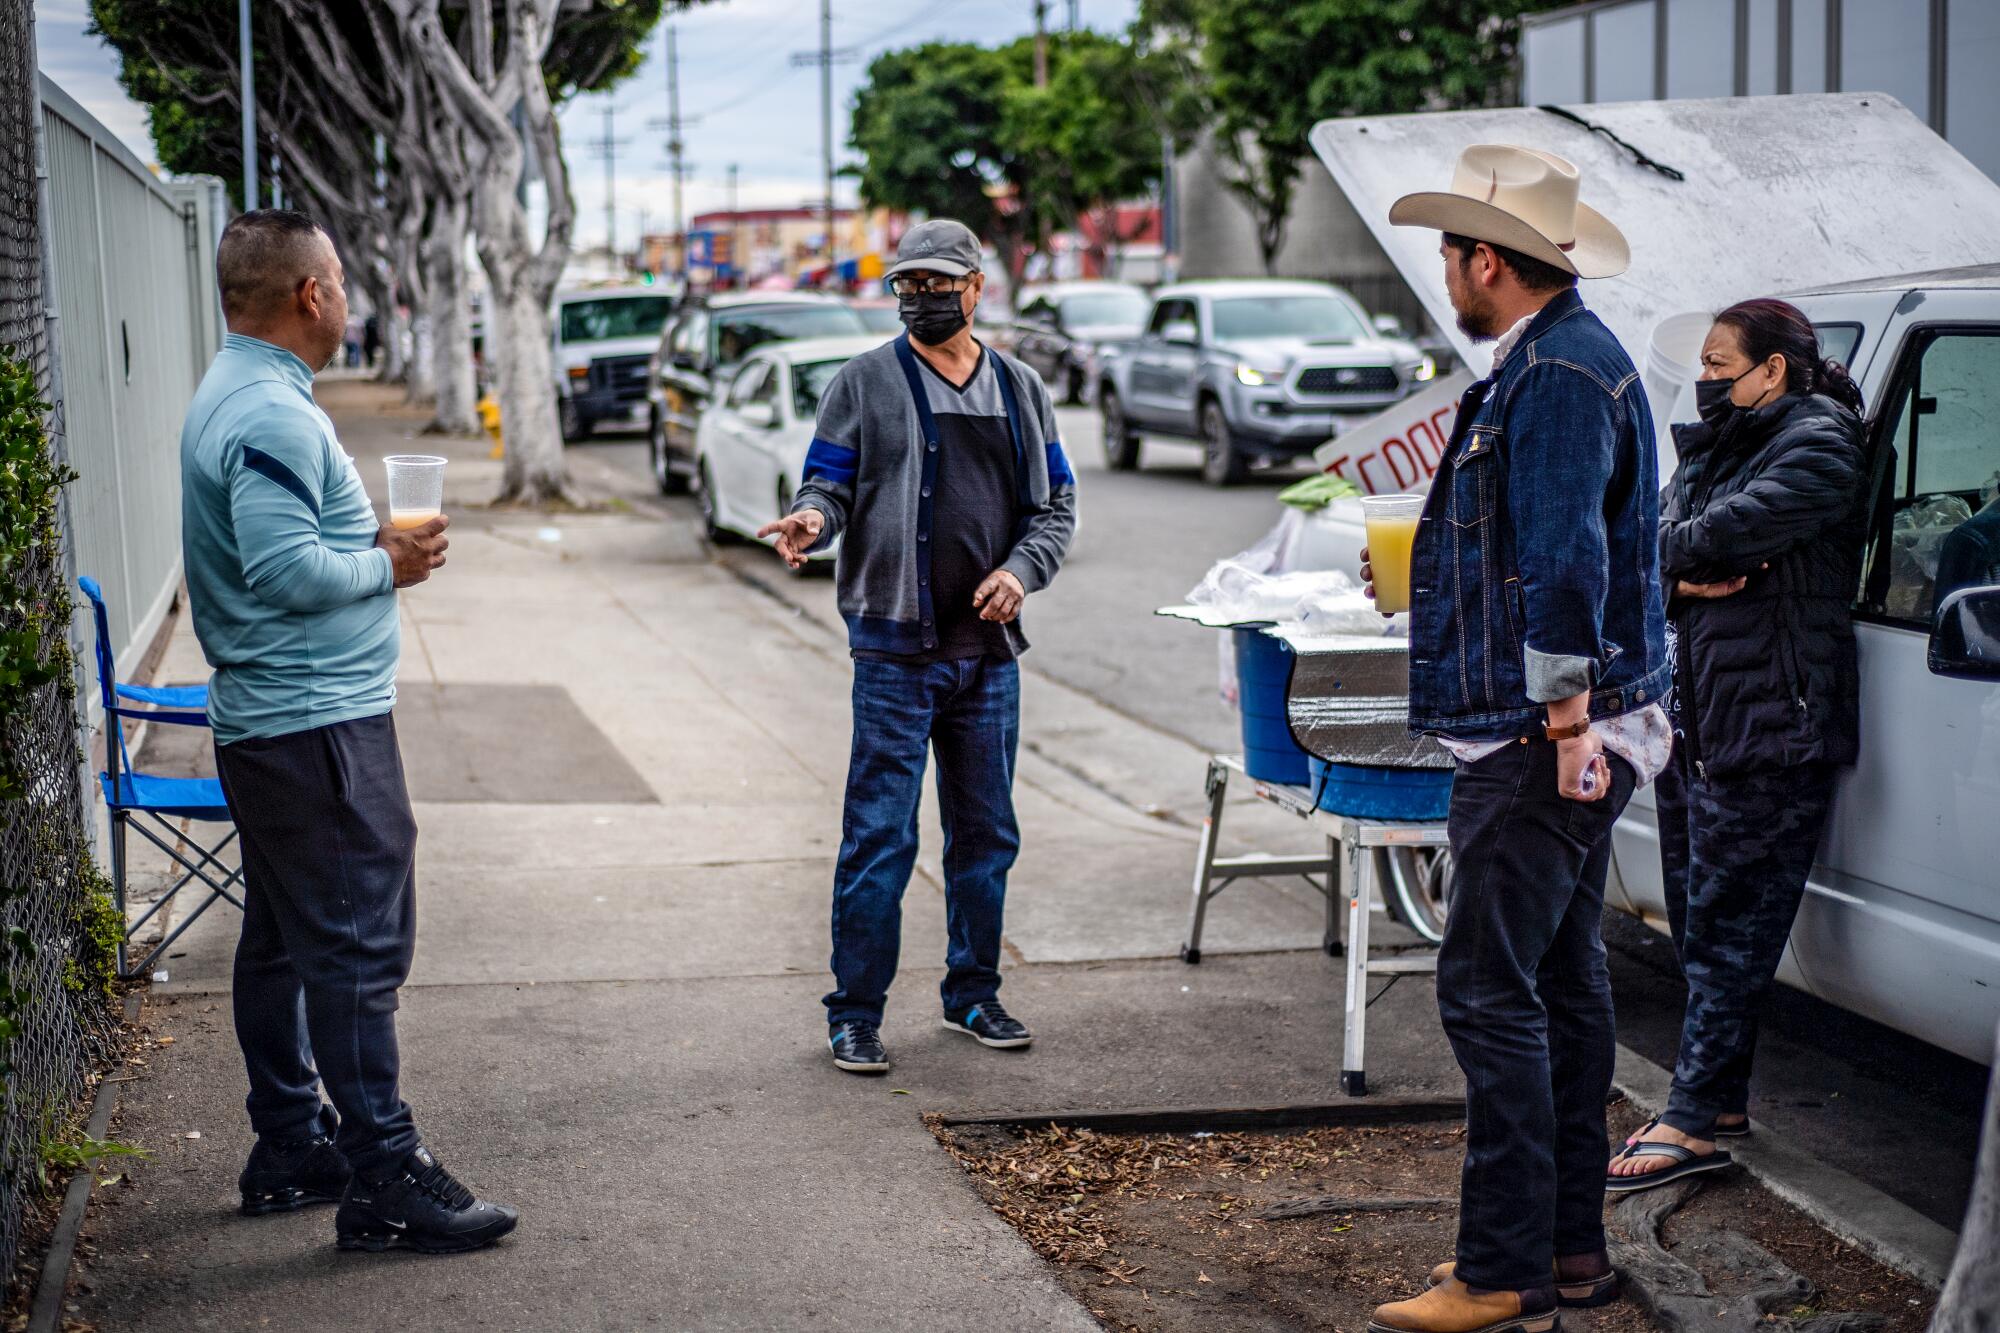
x: 1936, y: 57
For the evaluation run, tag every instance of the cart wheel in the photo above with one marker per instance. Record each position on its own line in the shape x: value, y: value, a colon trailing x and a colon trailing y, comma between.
x: 1190, y: 955
x: 1354, y: 1082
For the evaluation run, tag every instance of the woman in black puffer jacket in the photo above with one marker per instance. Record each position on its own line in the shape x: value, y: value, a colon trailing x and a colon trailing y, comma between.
x: 1761, y: 532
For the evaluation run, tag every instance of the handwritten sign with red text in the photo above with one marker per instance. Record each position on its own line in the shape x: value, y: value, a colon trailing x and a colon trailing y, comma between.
x: 1398, y: 450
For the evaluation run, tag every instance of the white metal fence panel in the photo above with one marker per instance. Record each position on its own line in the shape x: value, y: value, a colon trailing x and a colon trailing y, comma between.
x: 134, y: 291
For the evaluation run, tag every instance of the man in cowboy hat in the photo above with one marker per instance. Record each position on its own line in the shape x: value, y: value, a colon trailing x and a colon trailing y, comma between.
x: 1538, y: 657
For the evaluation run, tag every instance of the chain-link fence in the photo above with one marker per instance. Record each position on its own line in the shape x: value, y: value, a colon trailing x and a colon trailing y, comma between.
x: 45, y: 871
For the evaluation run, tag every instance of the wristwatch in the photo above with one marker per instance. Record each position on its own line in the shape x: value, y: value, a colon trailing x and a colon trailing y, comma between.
x: 1568, y: 733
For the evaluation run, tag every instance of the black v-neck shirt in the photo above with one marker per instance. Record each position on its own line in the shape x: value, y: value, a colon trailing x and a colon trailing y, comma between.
x: 975, y: 514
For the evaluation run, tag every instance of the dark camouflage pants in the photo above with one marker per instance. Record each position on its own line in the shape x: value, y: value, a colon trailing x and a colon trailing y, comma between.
x: 1735, y: 852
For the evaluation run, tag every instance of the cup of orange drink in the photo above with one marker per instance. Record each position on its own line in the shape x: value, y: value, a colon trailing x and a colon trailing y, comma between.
x: 416, y: 489
x: 1392, y: 529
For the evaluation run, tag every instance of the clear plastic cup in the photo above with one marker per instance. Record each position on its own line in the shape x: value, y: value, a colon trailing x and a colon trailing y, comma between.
x: 1392, y: 529
x: 416, y: 489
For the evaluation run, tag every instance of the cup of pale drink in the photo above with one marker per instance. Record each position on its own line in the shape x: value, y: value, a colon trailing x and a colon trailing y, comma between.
x: 416, y: 489
x: 1392, y: 527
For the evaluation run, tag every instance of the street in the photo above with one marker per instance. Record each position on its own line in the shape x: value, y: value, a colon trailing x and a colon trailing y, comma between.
x: 1888, y: 1108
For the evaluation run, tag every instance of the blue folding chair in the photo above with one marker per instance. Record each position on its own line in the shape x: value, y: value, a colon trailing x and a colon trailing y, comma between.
x: 130, y: 794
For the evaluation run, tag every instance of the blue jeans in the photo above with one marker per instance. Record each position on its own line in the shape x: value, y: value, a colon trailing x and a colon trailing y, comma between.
x: 329, y: 931
x: 969, y: 711
x: 1526, y: 1001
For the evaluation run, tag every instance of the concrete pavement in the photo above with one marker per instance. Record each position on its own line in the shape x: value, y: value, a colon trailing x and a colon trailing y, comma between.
x: 614, y: 1017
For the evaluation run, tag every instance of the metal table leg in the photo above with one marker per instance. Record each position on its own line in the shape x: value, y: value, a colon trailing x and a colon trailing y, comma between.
x: 1204, y: 862
x: 1359, y: 867
x: 1330, y: 939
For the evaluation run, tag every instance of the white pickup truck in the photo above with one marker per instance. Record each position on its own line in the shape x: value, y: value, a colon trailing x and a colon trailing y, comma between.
x: 1901, y: 920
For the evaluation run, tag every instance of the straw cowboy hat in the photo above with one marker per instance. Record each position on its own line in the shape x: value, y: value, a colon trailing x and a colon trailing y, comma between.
x: 1524, y: 199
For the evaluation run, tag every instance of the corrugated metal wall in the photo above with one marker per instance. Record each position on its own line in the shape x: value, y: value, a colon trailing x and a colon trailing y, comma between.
x: 134, y: 289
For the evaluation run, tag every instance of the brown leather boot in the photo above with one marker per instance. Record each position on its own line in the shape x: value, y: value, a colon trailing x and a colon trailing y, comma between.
x: 1583, y: 1281
x: 1453, y: 1307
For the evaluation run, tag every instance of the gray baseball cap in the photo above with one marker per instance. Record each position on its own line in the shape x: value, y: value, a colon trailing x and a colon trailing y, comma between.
x: 938, y: 246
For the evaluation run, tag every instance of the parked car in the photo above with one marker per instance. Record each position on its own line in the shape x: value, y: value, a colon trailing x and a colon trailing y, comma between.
x: 701, y: 349
x: 602, y: 339
x: 750, y: 448
x: 1258, y: 370
x: 1901, y: 916
x: 879, y: 313
x: 1061, y: 325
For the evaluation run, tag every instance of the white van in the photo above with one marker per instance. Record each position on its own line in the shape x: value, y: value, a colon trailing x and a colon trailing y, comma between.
x: 603, y: 339
x: 1901, y: 920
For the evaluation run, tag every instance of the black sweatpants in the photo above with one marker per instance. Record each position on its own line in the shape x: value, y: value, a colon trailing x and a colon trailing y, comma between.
x: 329, y: 931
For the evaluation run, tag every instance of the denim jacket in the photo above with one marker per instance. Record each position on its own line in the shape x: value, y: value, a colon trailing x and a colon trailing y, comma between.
x: 1535, y: 572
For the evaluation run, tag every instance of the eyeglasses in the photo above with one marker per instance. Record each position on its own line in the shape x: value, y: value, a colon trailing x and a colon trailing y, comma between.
x: 927, y: 284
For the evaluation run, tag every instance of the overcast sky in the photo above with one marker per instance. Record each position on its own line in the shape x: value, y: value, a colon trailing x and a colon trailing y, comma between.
x: 753, y: 108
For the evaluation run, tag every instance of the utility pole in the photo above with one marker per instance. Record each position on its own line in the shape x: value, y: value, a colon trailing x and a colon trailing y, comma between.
x: 1075, y: 14
x: 826, y: 58
x: 676, y: 149
x: 606, y: 149
x: 737, y: 266
x: 249, y: 105
x: 1041, y: 43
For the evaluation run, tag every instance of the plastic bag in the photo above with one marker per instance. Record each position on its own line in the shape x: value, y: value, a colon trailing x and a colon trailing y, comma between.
x: 1917, y: 539
x: 1922, y: 528
x: 1341, y: 607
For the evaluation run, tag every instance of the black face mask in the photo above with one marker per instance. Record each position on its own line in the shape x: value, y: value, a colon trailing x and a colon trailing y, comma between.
x: 933, y: 318
x: 1711, y: 399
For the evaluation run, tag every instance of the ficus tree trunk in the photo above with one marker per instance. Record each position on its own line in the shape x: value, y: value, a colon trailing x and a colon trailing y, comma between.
x: 1971, y: 1295
x: 503, y: 79
x: 457, y: 411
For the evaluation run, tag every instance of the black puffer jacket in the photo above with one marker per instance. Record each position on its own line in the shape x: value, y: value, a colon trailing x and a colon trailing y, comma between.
x: 1767, y: 678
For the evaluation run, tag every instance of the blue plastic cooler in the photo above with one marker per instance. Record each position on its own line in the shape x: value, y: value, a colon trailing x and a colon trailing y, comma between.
x: 1263, y: 676
x: 1373, y: 791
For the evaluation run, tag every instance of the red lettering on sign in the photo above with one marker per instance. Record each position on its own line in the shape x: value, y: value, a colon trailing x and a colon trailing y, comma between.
x: 1337, y: 464
x: 1367, y: 482
x: 1416, y: 469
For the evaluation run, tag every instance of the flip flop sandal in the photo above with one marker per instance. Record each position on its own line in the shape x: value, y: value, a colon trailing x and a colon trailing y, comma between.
x: 1686, y: 1162
x: 1739, y: 1130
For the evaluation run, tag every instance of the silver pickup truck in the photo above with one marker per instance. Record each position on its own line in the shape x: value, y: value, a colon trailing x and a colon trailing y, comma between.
x: 1257, y: 370
x: 1901, y: 919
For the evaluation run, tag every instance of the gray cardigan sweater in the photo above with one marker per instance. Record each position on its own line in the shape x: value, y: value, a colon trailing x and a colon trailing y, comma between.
x: 872, y: 468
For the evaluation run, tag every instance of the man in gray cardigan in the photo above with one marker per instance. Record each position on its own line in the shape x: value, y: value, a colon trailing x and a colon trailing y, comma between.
x: 936, y: 464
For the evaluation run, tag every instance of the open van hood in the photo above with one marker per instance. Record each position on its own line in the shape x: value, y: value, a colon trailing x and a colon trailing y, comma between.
x: 1781, y: 194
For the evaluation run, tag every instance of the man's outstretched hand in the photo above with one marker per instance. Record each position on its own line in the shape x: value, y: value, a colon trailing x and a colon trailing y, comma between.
x: 415, y: 552
x: 795, y: 533
x: 999, y: 598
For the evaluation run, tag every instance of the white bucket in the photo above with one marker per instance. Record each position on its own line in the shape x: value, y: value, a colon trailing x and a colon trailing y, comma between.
x: 1673, y: 356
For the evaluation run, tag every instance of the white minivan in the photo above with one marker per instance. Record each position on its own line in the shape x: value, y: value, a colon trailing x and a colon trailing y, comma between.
x: 1901, y: 919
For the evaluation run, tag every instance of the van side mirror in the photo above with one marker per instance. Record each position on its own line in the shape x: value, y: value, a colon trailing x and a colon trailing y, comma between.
x: 764, y: 416
x: 1388, y: 326
x: 1965, y: 637
x: 1181, y: 333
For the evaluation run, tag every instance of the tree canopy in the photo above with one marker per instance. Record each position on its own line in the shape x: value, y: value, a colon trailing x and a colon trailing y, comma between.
x: 1260, y: 76
x: 960, y: 130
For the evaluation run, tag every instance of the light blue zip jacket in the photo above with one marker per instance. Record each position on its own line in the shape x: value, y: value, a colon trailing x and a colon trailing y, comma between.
x: 293, y: 602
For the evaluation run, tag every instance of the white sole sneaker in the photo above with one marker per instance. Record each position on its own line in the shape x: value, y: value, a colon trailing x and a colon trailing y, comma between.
x: 1009, y: 1044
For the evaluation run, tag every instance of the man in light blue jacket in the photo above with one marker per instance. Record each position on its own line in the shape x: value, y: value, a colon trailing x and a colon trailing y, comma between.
x: 292, y: 587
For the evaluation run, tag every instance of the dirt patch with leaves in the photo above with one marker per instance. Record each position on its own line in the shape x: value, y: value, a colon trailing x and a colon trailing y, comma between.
x: 1311, y: 1229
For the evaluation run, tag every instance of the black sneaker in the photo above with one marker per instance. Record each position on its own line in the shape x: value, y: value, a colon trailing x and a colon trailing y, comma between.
x: 989, y: 1025
x: 857, y: 1047
x: 421, y: 1207
x: 281, y: 1177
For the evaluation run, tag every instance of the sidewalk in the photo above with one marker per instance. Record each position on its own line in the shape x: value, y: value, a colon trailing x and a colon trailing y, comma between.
x: 628, y: 768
